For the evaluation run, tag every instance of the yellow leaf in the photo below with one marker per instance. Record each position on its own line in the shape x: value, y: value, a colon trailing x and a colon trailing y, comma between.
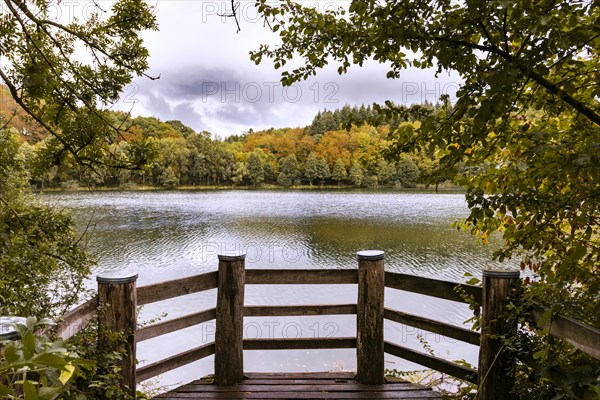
x: 66, y: 374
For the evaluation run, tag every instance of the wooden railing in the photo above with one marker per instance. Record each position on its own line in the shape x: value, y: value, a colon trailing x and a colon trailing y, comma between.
x: 118, y: 296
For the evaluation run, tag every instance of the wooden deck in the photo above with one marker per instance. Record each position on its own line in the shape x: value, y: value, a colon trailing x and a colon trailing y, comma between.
x: 283, y: 386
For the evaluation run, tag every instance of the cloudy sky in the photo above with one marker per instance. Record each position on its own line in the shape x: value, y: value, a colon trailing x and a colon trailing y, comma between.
x: 208, y: 82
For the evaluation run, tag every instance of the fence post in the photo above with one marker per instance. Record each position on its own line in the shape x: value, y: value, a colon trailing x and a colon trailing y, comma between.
x: 229, y: 335
x: 117, y: 302
x: 495, y: 378
x: 369, y: 318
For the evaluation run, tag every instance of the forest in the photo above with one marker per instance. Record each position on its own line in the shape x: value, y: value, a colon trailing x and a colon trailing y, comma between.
x: 334, y: 150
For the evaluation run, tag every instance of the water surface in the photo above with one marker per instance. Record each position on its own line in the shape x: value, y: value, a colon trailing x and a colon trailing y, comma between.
x: 165, y: 235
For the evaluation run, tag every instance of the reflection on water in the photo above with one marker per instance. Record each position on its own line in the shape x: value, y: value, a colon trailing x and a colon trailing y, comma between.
x: 164, y: 235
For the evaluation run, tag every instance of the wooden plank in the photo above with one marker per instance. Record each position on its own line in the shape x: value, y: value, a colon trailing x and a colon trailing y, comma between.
x: 369, y: 318
x: 301, y: 276
x: 302, y: 385
x: 250, y: 386
x: 584, y: 337
x: 162, y: 328
x: 300, y: 375
x: 287, y: 381
x: 315, y: 394
x: 430, y: 287
x: 176, y: 361
x: 74, y: 320
x: 176, y: 287
x: 301, y: 343
x: 435, y: 363
x: 430, y: 325
x: 285, y: 311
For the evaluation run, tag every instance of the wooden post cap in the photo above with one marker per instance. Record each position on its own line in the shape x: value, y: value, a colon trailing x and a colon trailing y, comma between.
x: 370, y: 255
x: 232, y: 257
x: 501, y: 273
x: 7, y: 328
x: 116, y: 277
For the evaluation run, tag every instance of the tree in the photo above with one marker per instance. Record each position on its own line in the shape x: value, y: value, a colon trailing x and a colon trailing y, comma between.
x: 408, y: 173
x: 289, y: 171
x: 386, y: 171
x: 522, y: 136
x: 323, y: 171
x: 43, y: 263
x: 311, y: 168
x: 536, y: 171
x: 339, y: 171
x: 184, y: 130
x: 63, y: 74
x: 254, y: 166
x: 357, y: 174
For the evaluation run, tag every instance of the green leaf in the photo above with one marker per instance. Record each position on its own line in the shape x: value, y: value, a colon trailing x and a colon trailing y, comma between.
x: 11, y: 354
x: 50, y: 360
x: 473, y: 281
x: 29, y: 345
x: 29, y: 390
x: 5, y: 390
x: 49, y: 393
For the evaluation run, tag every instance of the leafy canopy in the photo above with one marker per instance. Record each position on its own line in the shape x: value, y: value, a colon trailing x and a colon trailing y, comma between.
x: 63, y: 70
x: 43, y: 262
x: 523, y: 135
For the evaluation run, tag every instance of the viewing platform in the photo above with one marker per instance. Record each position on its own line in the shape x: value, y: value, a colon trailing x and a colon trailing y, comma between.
x: 307, y: 385
x: 118, y: 298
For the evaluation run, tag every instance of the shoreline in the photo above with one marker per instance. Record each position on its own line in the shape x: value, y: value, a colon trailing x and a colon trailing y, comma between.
x: 189, y: 188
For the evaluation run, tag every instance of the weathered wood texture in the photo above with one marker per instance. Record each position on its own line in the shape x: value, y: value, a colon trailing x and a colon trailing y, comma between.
x: 176, y: 287
x: 176, y: 361
x: 435, y: 363
x: 431, y: 287
x: 229, y: 354
x: 74, y: 320
x: 117, y: 306
x: 455, y: 332
x: 495, y: 377
x: 333, y: 386
x: 301, y: 276
x: 369, y: 318
x: 300, y: 343
x: 162, y: 328
x: 289, y: 311
x: 584, y: 337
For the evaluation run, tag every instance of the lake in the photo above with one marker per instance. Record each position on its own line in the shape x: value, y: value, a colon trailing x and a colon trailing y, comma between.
x: 171, y: 234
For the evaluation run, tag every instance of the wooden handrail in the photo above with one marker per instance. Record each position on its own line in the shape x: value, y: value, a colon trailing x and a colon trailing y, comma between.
x: 176, y: 361
x: 300, y: 343
x: 583, y: 337
x: 455, y: 332
x: 301, y: 276
x: 176, y: 287
x: 74, y: 320
x: 162, y: 328
x: 292, y: 311
x: 431, y: 287
x: 494, y: 297
x: 435, y: 363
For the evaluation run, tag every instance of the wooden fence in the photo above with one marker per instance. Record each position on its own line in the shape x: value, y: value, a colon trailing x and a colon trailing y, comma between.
x: 118, y: 299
